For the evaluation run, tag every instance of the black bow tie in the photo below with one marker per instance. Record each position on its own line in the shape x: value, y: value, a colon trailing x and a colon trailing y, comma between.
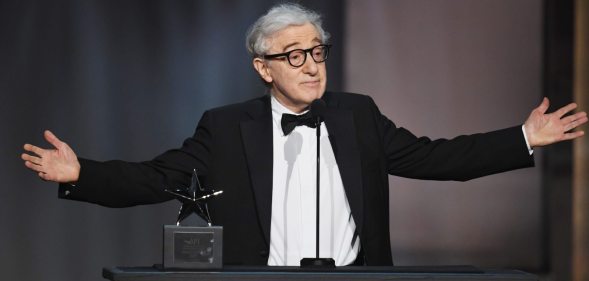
x: 290, y: 121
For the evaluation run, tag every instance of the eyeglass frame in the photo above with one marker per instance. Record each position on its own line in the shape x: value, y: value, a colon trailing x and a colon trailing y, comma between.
x: 305, y: 51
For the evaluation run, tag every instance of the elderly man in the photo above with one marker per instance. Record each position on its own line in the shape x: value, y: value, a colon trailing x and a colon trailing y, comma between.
x: 267, y: 167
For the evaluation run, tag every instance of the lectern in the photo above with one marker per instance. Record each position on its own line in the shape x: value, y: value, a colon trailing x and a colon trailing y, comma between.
x: 357, y: 273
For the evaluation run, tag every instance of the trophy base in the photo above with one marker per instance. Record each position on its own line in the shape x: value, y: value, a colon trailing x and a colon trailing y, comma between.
x: 317, y: 263
x: 193, y: 247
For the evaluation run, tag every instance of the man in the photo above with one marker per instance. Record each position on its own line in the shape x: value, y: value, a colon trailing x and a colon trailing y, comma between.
x: 266, y: 167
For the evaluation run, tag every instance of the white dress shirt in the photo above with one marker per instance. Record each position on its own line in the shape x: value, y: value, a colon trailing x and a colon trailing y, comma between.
x: 292, y: 231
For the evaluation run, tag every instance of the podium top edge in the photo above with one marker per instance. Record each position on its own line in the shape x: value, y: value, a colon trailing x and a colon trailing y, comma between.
x: 459, y: 270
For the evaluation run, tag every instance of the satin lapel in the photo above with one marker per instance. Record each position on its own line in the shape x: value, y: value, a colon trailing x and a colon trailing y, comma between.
x: 257, y: 142
x: 342, y: 135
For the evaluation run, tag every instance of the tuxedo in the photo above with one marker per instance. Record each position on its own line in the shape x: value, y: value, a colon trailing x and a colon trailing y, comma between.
x: 232, y: 149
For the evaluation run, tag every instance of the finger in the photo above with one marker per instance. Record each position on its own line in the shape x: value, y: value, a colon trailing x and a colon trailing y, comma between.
x: 543, y: 106
x: 580, y: 115
x: 47, y: 177
x: 573, y: 117
x: 34, y: 167
x: 43, y: 176
x: 34, y: 149
x: 565, y: 109
x: 568, y: 119
x: 582, y: 120
x: 579, y: 122
x: 569, y: 126
x: 576, y: 119
x: 573, y: 135
x: 31, y: 158
x: 52, y: 139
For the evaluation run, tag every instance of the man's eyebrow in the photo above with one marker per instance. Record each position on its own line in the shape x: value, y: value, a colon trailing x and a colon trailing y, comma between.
x: 296, y: 43
x: 289, y: 45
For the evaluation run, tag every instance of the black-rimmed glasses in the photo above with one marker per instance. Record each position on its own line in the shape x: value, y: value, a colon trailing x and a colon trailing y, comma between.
x: 298, y: 57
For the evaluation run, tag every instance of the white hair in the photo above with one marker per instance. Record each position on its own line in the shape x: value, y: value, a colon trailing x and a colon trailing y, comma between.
x: 276, y: 19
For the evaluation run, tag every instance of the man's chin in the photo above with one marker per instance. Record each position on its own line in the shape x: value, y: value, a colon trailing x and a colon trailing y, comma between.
x: 313, y: 98
x: 317, y: 94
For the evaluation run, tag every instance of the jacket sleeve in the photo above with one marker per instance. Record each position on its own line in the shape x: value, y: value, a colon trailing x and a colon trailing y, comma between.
x: 461, y: 158
x: 119, y: 183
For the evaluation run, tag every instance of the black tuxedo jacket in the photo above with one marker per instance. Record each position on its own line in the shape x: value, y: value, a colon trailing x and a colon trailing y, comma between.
x: 232, y: 148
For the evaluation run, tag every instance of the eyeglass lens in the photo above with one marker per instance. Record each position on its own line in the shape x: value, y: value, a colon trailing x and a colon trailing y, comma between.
x: 298, y: 57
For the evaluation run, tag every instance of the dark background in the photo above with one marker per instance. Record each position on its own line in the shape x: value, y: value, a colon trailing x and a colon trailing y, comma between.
x: 130, y: 79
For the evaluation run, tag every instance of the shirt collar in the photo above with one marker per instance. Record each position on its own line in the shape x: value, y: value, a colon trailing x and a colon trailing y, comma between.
x: 278, y: 108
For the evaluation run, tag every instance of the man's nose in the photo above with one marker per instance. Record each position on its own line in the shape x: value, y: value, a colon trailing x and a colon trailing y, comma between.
x: 310, y: 66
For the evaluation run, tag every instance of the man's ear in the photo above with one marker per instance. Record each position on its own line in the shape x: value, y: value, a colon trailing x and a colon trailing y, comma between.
x: 262, y: 70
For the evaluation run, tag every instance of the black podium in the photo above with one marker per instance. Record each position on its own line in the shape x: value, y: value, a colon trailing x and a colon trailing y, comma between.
x: 368, y: 273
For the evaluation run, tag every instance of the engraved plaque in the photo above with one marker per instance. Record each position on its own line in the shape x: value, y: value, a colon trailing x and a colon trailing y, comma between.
x: 193, y: 247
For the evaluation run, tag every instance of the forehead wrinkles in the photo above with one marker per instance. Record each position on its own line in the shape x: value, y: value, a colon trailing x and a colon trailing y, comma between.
x: 293, y: 34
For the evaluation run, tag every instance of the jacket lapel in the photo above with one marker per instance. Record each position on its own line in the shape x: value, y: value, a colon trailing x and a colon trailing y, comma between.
x: 342, y: 135
x: 258, y: 146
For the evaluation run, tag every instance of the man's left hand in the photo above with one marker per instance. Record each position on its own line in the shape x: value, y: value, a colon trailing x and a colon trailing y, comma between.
x: 547, y: 128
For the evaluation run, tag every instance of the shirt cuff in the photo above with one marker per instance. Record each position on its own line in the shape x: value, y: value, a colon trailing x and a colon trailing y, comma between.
x: 530, y: 150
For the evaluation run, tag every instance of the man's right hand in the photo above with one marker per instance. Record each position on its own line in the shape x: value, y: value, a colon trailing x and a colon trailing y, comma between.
x: 59, y: 164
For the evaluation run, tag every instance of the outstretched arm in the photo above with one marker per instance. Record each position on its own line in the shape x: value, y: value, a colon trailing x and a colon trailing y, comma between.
x: 59, y: 164
x: 543, y: 128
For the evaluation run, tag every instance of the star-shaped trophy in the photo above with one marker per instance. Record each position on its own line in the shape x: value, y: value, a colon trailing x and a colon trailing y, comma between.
x: 194, y: 200
x: 193, y: 243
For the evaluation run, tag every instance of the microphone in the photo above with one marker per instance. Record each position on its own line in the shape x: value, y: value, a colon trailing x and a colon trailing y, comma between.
x: 317, y: 109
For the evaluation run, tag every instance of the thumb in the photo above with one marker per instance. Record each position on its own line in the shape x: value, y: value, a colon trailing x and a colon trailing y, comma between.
x: 52, y: 139
x: 543, y: 107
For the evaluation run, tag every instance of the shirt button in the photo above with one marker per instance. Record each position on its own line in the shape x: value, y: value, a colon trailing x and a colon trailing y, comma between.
x: 264, y: 253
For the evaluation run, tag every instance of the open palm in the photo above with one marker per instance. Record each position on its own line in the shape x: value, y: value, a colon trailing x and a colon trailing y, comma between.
x: 546, y: 128
x: 58, y: 164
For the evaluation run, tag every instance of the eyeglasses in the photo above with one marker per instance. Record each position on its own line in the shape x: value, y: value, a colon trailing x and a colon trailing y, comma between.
x: 298, y: 57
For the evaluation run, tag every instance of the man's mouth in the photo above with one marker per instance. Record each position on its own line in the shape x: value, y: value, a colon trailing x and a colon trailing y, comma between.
x: 311, y: 83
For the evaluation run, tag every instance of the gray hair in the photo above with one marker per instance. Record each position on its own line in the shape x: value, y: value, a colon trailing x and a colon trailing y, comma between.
x: 276, y: 19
